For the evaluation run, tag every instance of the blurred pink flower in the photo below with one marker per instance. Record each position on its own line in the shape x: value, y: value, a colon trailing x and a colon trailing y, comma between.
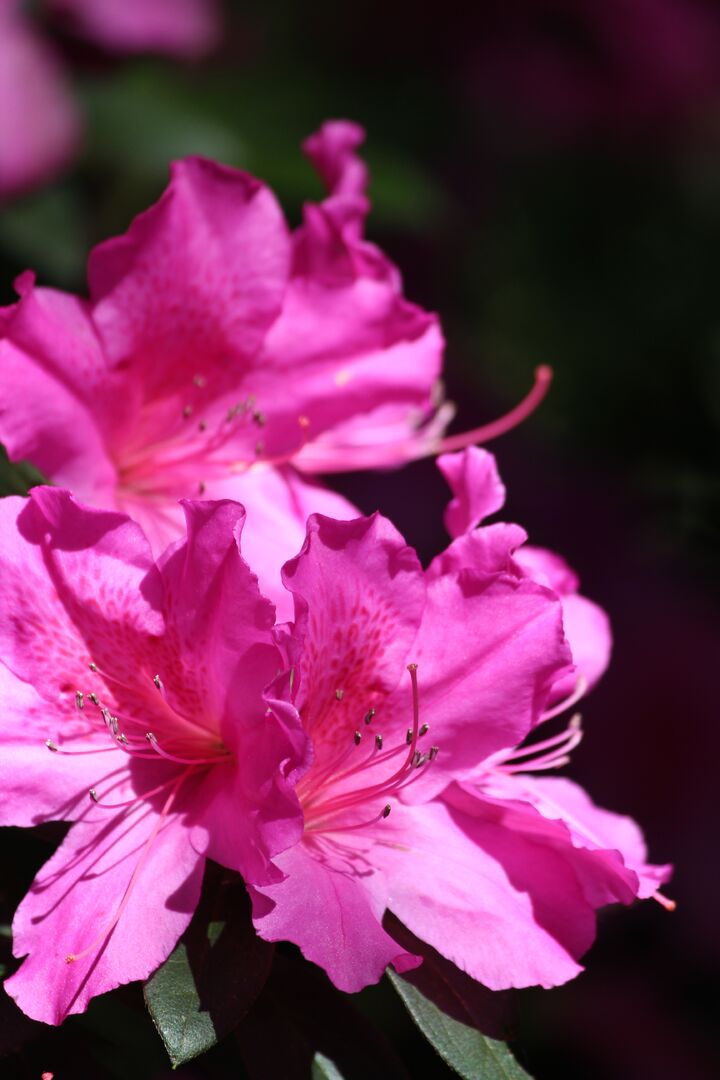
x: 39, y: 124
x: 217, y: 351
x: 165, y: 745
x: 396, y: 816
x: 185, y: 28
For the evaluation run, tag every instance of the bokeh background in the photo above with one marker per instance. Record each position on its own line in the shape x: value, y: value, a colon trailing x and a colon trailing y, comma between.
x: 546, y: 173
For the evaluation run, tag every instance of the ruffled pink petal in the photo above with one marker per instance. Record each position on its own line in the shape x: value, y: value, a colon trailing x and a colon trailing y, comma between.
x: 504, y: 904
x: 75, y: 586
x: 279, y: 503
x: 356, y: 345
x: 486, y: 551
x: 359, y: 596
x: 587, y: 626
x: 488, y: 652
x: 39, y: 124
x: 197, y: 279
x: 477, y: 488
x: 223, y: 628
x: 590, y: 826
x: 185, y: 28
x: 326, y: 910
x: 73, y: 901
x: 221, y: 623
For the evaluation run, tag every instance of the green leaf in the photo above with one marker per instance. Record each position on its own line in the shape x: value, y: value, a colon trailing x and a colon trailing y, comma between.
x: 17, y: 477
x: 213, y: 976
x: 323, y: 1069
x: 465, y: 1049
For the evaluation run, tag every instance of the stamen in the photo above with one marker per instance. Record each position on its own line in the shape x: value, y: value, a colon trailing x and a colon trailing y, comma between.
x: 339, y: 694
x: 368, y: 717
x: 525, y: 408
x: 336, y: 457
x: 58, y: 750
x: 180, y: 760
x: 664, y: 901
x: 79, y: 700
x: 129, y: 802
x: 384, y: 813
x: 105, y: 933
x: 568, y: 702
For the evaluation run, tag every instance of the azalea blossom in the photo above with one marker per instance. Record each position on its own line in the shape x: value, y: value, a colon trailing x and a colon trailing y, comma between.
x: 221, y: 355
x: 417, y: 688
x: 138, y: 704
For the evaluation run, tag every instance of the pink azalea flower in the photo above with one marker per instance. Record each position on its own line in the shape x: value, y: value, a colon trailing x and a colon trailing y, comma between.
x: 185, y: 28
x: 39, y: 124
x: 415, y: 687
x: 164, y: 745
x: 216, y: 346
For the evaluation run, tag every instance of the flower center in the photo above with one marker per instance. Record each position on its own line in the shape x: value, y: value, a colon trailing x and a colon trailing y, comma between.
x: 202, y: 440
x: 356, y: 780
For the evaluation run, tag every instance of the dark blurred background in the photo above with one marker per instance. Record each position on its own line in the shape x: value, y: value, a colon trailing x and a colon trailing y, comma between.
x: 546, y: 173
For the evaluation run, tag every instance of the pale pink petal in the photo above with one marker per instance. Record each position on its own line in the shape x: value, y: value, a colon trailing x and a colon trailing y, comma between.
x: 185, y: 28
x: 477, y: 488
x: 197, y: 279
x: 587, y: 626
x: 592, y: 827
x: 39, y: 123
x: 327, y: 911
x: 75, y: 897
x: 548, y: 568
x: 505, y: 906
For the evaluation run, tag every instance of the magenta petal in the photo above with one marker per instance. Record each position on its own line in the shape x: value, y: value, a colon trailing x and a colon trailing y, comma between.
x: 507, y: 907
x: 587, y: 626
x: 74, y: 898
x: 488, y: 652
x: 329, y: 914
x: 223, y: 623
x: 279, y: 503
x: 557, y: 798
x: 198, y: 278
x: 359, y: 596
x: 477, y: 488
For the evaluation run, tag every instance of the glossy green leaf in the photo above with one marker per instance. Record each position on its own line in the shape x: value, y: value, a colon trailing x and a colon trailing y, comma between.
x: 213, y: 976
x: 465, y: 1049
x: 323, y: 1069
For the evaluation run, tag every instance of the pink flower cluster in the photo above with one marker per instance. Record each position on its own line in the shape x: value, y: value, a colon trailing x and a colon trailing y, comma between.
x: 347, y: 731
